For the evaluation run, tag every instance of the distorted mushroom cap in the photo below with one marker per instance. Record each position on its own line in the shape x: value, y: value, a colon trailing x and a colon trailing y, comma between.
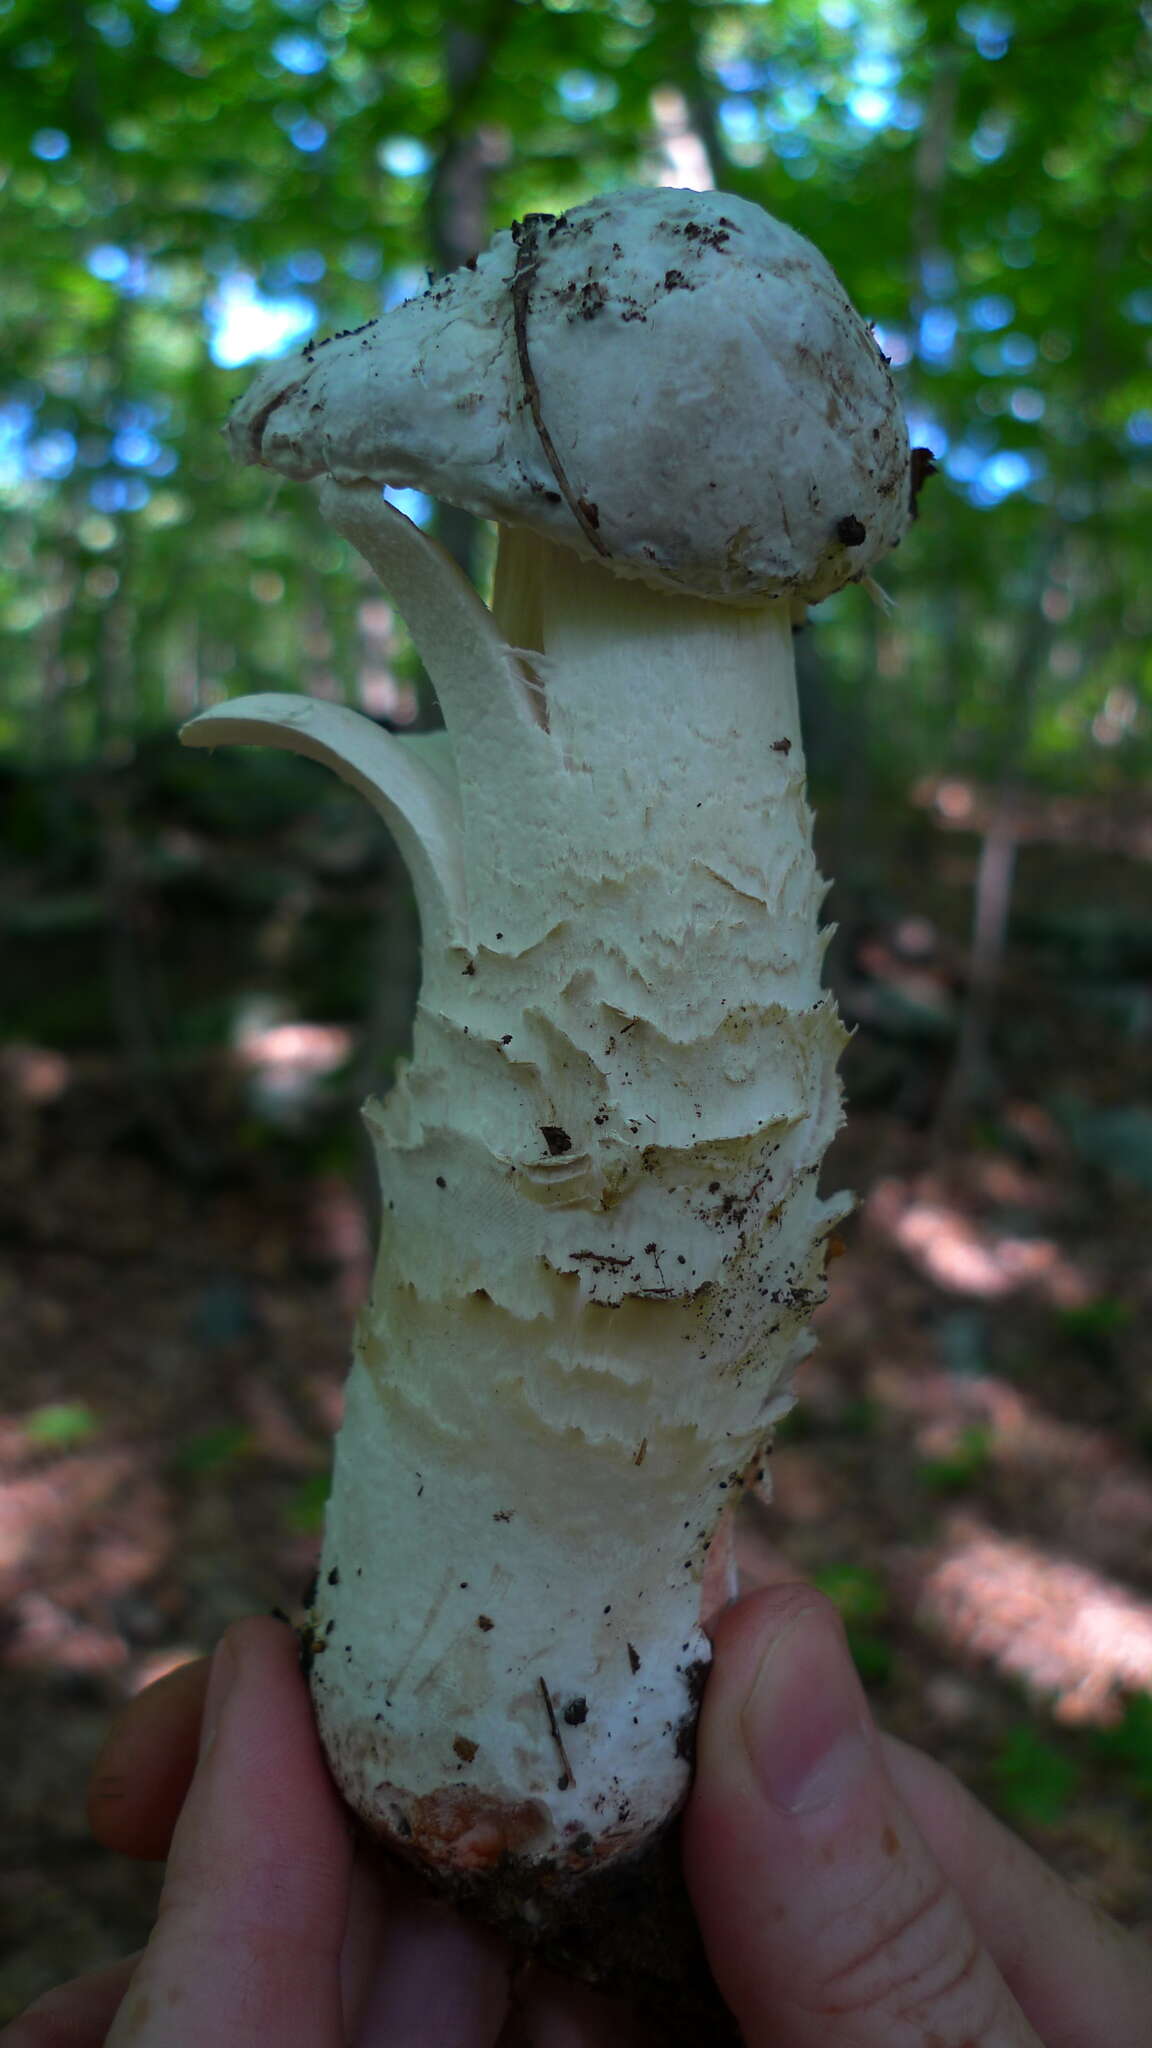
x: 672, y: 382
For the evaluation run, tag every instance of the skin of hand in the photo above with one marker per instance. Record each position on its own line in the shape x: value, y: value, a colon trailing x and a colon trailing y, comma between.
x: 851, y: 1894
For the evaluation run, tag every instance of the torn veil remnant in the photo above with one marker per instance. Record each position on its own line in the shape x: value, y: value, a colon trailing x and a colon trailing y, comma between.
x: 602, y: 1239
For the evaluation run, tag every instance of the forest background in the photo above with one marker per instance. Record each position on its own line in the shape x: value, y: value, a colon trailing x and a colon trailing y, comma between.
x: 205, y: 964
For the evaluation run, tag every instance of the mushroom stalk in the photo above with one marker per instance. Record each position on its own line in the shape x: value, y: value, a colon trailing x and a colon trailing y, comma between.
x: 602, y: 1239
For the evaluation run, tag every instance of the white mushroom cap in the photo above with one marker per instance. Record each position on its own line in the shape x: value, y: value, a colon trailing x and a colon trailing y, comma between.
x: 672, y: 382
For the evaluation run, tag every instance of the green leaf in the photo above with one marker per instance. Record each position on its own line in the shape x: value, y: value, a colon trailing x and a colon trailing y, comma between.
x: 1129, y: 1744
x: 862, y: 1600
x: 963, y: 1466
x: 1034, y: 1781
x: 306, y: 1508
x: 213, y: 1450
x: 61, y: 1425
x: 859, y: 1594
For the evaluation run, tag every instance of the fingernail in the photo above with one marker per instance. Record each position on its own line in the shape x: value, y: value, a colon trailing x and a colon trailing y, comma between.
x: 805, y: 1723
x: 225, y: 1666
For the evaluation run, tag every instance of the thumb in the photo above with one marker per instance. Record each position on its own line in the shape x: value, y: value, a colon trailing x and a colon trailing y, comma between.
x: 826, y: 1918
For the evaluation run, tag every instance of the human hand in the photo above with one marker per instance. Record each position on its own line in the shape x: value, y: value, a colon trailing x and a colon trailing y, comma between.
x: 887, y: 1907
x: 272, y: 1932
x: 853, y: 1895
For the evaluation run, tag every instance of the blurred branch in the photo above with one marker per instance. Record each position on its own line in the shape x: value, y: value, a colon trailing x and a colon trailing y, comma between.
x: 992, y: 902
x: 458, y: 214
x: 129, y: 989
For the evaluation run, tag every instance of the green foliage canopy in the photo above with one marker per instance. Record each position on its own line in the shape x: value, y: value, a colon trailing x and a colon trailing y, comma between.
x: 187, y: 184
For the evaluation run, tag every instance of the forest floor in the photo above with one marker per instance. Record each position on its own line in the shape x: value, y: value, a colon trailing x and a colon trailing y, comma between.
x: 968, y: 1472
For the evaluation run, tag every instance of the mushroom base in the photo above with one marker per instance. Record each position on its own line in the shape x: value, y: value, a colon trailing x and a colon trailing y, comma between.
x: 626, y: 1928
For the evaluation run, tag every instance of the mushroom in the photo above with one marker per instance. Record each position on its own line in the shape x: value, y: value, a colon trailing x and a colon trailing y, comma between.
x: 602, y: 1239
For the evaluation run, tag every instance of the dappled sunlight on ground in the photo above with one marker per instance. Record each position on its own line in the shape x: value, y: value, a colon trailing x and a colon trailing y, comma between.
x: 961, y: 1472
x: 35, y: 1073
x: 80, y: 1536
x: 1067, y: 1633
x: 1015, y: 1428
x: 967, y: 1473
x: 954, y: 1251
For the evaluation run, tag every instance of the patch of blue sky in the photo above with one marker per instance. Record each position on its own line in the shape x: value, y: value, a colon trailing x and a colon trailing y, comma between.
x: 15, y: 420
x: 402, y: 285
x: 304, y: 266
x: 937, y: 336
x: 1027, y: 405
x: 108, y: 262
x: 741, y: 74
x: 990, y: 30
x: 136, y: 448
x: 118, y: 493
x: 164, y: 6
x: 1139, y: 429
x: 124, y: 268
x: 925, y: 431
x: 742, y: 121
x: 304, y: 55
x: 991, y: 311
x: 791, y: 106
x: 1018, y: 351
x: 1005, y: 473
x: 362, y: 260
x: 990, y: 478
x: 244, y: 325
x: 50, y: 145
x: 307, y: 134
x: 415, y: 505
x: 799, y: 100
x: 50, y: 456
x: 895, y: 344
x: 404, y: 155
x: 1005, y: 357
x: 138, y: 412
x: 1138, y: 306
x: 906, y: 114
x: 586, y: 94
x: 939, y: 274
x: 964, y: 462
x: 991, y: 138
x: 875, y: 67
x: 871, y: 106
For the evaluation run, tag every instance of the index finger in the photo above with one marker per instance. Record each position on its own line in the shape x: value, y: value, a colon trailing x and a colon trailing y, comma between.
x: 247, y: 1945
x: 140, y: 1779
